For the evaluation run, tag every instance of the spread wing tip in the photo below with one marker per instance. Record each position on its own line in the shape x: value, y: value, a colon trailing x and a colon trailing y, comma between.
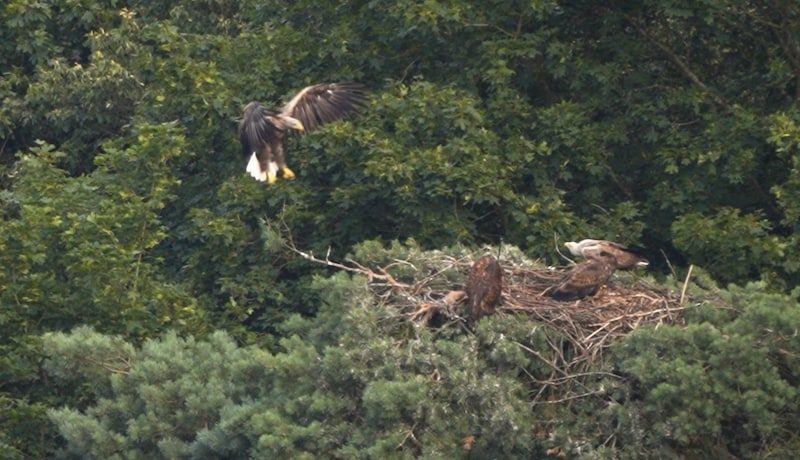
x: 323, y: 103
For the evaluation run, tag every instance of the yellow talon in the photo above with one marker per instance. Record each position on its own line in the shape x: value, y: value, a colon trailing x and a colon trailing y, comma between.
x: 288, y: 174
x: 271, y: 178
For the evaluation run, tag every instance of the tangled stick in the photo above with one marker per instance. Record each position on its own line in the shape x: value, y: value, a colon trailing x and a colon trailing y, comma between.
x: 577, y: 332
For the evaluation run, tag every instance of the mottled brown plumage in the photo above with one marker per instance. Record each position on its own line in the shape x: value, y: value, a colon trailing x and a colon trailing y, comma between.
x: 484, y: 286
x: 262, y: 130
x: 589, y: 249
x: 585, y: 278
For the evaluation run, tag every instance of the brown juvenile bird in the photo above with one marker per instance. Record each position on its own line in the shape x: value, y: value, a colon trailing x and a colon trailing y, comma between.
x: 484, y: 286
x: 585, y: 279
x: 625, y: 256
x: 262, y: 130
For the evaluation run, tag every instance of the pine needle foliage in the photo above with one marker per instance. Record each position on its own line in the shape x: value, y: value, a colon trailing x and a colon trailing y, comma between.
x: 362, y: 379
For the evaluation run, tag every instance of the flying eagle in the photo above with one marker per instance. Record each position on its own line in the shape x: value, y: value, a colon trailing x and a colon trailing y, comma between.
x: 483, y: 287
x: 586, y: 278
x: 626, y: 257
x: 262, y: 130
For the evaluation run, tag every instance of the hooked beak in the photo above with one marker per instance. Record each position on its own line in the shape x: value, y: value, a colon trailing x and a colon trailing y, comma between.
x: 291, y: 122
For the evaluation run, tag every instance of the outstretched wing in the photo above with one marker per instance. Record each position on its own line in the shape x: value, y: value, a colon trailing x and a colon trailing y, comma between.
x: 323, y: 103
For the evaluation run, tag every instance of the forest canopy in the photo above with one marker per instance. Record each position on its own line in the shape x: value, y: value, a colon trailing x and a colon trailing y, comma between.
x: 129, y: 223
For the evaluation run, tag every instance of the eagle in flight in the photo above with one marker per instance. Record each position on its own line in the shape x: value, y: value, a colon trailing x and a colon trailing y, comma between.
x: 262, y: 130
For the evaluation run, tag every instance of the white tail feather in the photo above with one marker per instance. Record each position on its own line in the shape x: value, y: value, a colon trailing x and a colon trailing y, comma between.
x: 254, y: 168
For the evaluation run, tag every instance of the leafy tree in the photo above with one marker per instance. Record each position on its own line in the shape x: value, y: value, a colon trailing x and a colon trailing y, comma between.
x: 672, y: 124
x: 80, y: 251
x: 731, y: 245
x: 77, y: 250
x: 565, y: 105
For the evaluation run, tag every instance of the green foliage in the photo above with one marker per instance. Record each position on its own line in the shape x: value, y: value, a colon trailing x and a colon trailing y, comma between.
x: 724, y: 383
x: 124, y: 205
x: 81, y: 251
x: 522, y: 123
x: 78, y: 250
x: 785, y: 137
x: 360, y: 381
x: 165, y: 399
x: 237, y: 261
x: 732, y: 246
x: 80, y: 106
x: 374, y: 387
x: 41, y: 31
x: 526, y: 122
x: 22, y: 420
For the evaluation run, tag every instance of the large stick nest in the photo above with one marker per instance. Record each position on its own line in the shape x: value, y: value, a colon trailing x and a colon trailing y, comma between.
x: 591, y: 324
x: 434, y: 294
x: 624, y: 304
x: 621, y: 306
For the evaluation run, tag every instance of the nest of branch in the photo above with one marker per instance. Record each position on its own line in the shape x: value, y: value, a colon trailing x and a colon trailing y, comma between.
x: 621, y: 306
x: 435, y: 295
x: 591, y: 324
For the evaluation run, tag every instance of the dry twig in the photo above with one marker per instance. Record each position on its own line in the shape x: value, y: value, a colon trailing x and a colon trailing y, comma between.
x: 577, y: 332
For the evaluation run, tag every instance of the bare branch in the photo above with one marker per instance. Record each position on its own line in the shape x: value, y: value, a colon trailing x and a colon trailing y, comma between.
x: 686, y: 284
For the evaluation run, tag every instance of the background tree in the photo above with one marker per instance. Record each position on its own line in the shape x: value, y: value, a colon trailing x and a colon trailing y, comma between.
x: 125, y: 206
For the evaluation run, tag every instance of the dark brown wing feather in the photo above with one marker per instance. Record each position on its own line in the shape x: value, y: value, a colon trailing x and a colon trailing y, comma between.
x: 628, y: 258
x: 323, y: 103
x: 585, y: 279
x: 484, y: 286
x: 255, y: 129
x: 625, y: 257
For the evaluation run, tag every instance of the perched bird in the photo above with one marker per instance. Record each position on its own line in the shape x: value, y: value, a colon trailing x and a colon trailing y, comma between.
x: 626, y: 257
x: 484, y: 285
x: 262, y: 130
x: 585, y: 278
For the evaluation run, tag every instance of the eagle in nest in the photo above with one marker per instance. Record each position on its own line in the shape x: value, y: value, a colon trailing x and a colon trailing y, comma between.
x: 484, y: 286
x: 589, y: 249
x: 262, y: 130
x: 585, y: 278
